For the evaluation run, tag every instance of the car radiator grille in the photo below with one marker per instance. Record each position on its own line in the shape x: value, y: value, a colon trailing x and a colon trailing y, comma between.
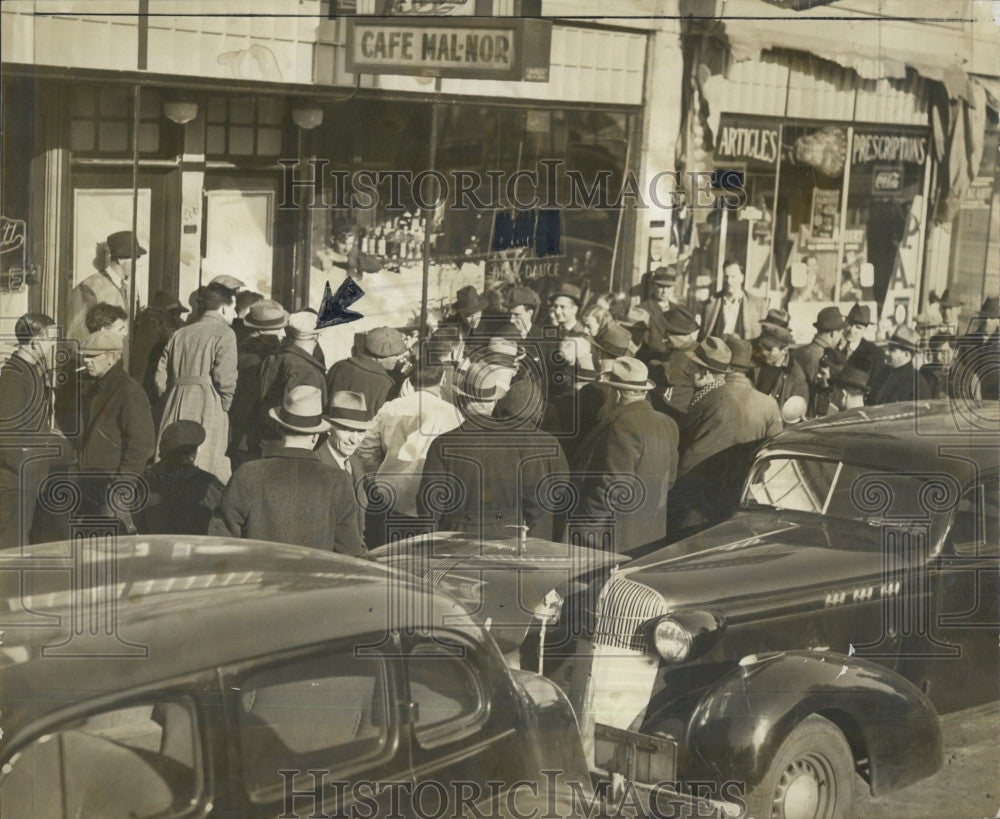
x: 623, y: 607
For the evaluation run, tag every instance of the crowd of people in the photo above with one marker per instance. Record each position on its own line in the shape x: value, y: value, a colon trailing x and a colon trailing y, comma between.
x: 565, y: 418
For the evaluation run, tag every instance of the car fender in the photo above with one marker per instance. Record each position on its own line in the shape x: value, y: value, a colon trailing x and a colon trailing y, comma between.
x: 738, y: 726
x: 556, y: 724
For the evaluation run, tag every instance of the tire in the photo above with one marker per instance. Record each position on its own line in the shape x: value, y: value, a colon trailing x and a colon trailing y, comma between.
x: 810, y: 777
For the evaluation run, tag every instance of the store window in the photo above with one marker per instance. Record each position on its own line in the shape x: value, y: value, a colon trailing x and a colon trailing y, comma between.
x: 101, y: 122
x: 244, y: 126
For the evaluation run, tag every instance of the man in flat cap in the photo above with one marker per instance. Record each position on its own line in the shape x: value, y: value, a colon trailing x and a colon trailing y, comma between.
x: 117, y: 436
x: 288, y: 496
x: 368, y: 371
x: 197, y: 376
x: 111, y: 284
x: 181, y: 497
x: 903, y: 382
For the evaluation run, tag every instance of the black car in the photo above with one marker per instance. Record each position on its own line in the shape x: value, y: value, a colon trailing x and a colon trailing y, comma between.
x: 819, y: 631
x: 189, y: 677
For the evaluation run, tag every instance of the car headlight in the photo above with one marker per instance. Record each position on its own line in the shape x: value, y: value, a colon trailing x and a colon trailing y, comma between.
x: 685, y: 635
x: 672, y: 641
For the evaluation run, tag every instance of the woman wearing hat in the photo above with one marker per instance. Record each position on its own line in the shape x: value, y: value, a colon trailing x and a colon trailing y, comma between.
x: 288, y: 496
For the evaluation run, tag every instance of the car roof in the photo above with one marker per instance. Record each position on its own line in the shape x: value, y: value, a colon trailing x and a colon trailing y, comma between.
x: 927, y: 436
x: 195, y: 603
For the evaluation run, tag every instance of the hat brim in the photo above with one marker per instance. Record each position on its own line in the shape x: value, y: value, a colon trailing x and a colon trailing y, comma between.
x: 712, y: 366
x: 611, y: 381
x: 349, y: 423
x: 902, y: 345
x: 278, y: 326
x: 831, y: 329
x: 323, y: 426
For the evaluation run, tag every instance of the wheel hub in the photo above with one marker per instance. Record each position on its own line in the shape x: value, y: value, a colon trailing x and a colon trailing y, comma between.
x: 805, y: 790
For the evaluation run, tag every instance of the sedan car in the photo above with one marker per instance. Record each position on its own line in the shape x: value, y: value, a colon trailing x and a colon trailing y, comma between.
x: 818, y: 632
x: 190, y: 676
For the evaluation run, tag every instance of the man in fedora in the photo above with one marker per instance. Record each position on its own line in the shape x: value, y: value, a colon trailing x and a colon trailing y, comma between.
x: 264, y: 324
x: 634, y: 445
x: 711, y: 423
x: 776, y: 373
x: 977, y: 358
x: 760, y: 413
x: 660, y: 301
x: 347, y: 413
x: 733, y: 311
x: 850, y: 388
x: 485, y: 476
x: 196, y: 377
x: 861, y: 353
x: 902, y: 381
x: 181, y: 496
x: 670, y: 372
x: 111, y: 284
x: 564, y: 307
x: 829, y: 326
x: 288, y: 495
x: 466, y: 311
x: 368, y: 371
x: 117, y: 436
x: 523, y: 303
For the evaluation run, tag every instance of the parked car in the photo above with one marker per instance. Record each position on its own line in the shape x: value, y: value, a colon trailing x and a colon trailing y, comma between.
x: 819, y: 631
x: 194, y: 676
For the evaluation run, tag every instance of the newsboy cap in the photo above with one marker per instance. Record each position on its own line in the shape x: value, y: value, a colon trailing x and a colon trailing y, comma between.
x: 181, y: 434
x: 570, y: 291
x: 523, y: 296
x: 301, y: 325
x: 383, y: 342
x: 103, y: 341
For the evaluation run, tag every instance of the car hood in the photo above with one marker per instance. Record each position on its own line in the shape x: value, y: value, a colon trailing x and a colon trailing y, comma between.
x: 758, y: 554
x: 500, y: 583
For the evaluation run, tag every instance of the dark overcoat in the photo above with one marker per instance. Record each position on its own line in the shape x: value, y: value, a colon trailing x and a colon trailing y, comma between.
x: 288, y: 496
x: 495, y: 479
x: 902, y: 384
x: 718, y: 420
x: 361, y: 373
x: 181, y: 499
x: 246, y: 412
x: 289, y: 367
x: 356, y: 477
x: 638, y: 446
x: 117, y: 431
x: 753, y: 310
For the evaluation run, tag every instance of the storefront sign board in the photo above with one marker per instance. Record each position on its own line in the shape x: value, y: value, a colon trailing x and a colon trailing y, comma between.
x: 747, y: 140
x: 487, y: 49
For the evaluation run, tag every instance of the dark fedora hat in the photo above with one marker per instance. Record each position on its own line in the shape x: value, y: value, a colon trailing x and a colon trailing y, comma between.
x: 860, y: 314
x: 850, y: 378
x: 679, y: 321
x: 123, y: 245
x: 829, y: 318
x: 613, y: 339
x: 772, y: 335
x: 990, y: 308
x: 467, y: 301
x: 664, y: 275
x: 570, y: 291
x: 776, y: 317
x: 712, y: 354
x: 742, y: 351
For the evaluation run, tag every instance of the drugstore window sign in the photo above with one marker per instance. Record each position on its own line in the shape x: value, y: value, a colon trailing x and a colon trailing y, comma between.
x: 501, y: 49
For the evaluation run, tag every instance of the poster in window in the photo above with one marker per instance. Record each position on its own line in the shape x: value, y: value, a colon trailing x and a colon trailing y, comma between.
x: 825, y: 209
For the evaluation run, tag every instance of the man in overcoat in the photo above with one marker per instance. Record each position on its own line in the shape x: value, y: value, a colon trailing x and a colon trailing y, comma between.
x: 660, y: 301
x: 902, y: 382
x: 117, y: 435
x: 627, y: 466
x: 288, y: 496
x: 829, y: 325
x: 488, y: 476
x: 197, y: 373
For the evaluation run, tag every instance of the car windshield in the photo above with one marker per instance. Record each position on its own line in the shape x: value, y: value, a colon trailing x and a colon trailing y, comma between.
x: 835, y: 489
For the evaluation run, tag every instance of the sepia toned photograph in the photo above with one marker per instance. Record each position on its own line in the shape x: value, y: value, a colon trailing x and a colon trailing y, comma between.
x: 507, y: 409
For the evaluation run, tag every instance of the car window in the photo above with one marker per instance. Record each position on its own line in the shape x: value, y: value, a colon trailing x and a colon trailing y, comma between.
x: 450, y: 697
x: 136, y: 761
x: 975, y: 527
x: 329, y: 712
x: 800, y: 484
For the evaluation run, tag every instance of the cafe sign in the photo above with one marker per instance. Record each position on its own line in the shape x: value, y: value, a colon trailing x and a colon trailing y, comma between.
x: 747, y: 140
x: 476, y: 48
